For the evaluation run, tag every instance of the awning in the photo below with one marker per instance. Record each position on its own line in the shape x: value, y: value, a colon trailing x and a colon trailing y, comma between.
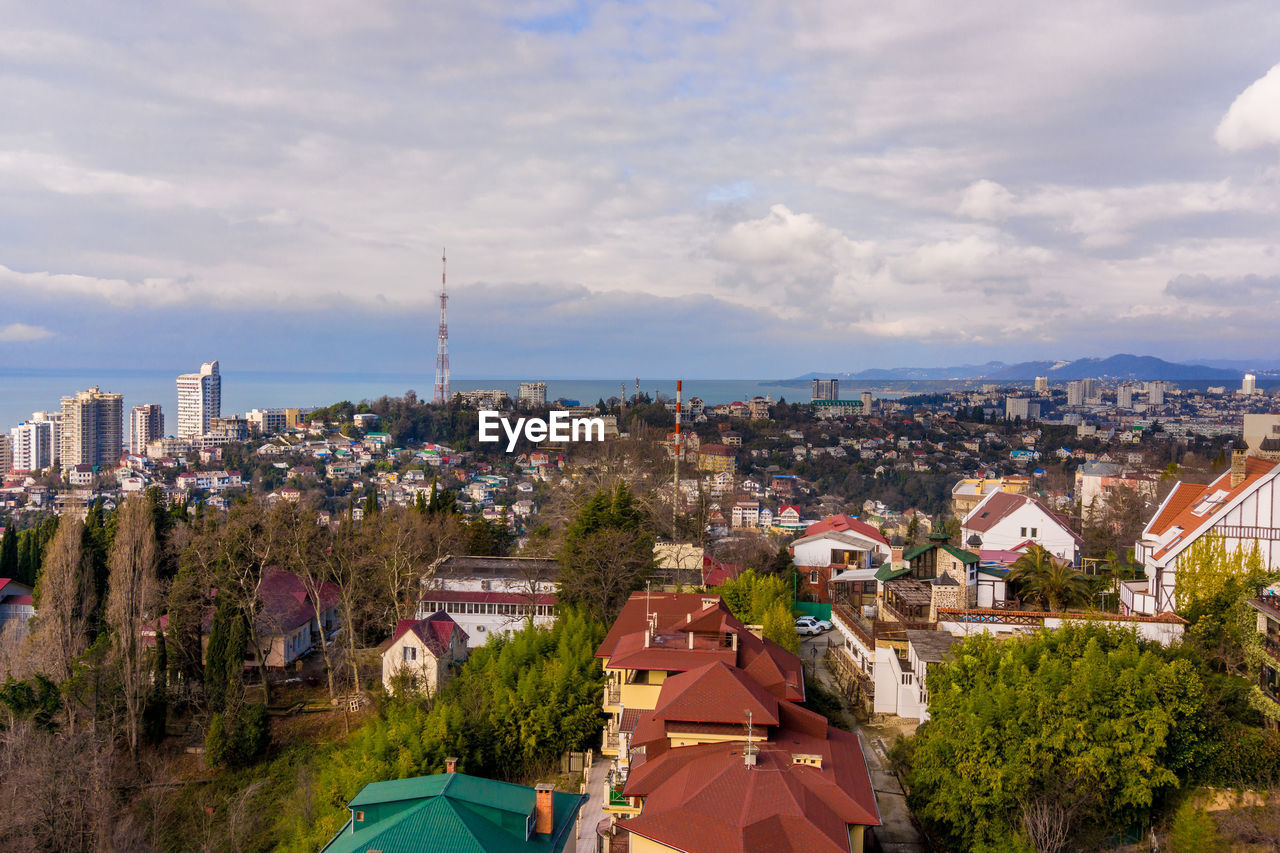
x: 854, y: 575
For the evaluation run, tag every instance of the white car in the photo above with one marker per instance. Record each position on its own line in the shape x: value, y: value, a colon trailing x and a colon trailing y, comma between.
x: 807, y: 625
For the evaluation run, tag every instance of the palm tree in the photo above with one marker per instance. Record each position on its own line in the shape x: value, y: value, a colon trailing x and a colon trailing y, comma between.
x: 1052, y: 583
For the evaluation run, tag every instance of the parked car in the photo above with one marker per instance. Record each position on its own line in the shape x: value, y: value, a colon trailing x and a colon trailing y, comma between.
x: 809, y: 626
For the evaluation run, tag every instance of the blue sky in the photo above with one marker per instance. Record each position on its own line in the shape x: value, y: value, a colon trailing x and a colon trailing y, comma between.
x: 745, y: 189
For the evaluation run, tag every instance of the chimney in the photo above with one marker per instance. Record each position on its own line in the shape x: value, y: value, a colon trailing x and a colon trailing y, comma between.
x: 1238, y: 466
x: 544, y: 820
x: 895, y: 555
x: 451, y: 765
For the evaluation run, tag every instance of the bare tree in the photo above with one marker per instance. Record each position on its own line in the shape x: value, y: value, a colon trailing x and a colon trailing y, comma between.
x: 66, y: 601
x: 131, y: 597
x: 303, y: 546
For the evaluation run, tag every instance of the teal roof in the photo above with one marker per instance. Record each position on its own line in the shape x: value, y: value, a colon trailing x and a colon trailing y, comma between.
x: 888, y: 573
x: 451, y: 812
x: 994, y: 572
x: 912, y: 553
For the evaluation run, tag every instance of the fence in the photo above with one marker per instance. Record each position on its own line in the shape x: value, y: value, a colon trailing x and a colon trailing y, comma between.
x: 810, y: 608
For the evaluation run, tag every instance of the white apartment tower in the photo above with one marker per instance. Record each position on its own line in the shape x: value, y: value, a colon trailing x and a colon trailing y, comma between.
x: 1042, y: 384
x: 146, y: 424
x: 1155, y: 393
x: 1124, y: 396
x: 825, y: 389
x: 1250, y: 385
x: 1075, y: 393
x: 6, y: 455
x: 533, y: 394
x: 92, y: 428
x: 34, y: 444
x: 199, y: 400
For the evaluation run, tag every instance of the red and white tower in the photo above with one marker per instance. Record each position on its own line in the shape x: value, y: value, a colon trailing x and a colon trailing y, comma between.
x: 442, y: 342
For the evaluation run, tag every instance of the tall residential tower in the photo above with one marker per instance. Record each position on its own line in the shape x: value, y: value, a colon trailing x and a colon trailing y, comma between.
x: 92, y: 428
x: 199, y: 400
x: 146, y: 424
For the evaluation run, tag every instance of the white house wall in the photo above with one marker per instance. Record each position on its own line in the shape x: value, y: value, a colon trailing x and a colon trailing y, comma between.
x: 1006, y: 534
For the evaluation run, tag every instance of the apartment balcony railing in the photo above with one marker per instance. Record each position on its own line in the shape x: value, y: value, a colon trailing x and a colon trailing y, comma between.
x: 612, y: 693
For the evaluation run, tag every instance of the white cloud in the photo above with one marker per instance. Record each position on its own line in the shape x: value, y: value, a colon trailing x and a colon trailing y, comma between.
x: 16, y: 332
x: 986, y: 200
x: 1253, y: 120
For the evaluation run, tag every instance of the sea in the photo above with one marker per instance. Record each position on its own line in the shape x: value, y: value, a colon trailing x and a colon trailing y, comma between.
x: 26, y: 390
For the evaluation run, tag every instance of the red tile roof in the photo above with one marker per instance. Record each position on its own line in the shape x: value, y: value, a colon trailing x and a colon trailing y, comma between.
x: 1182, y: 496
x: 436, y: 632
x: 1001, y: 505
x: 705, y: 797
x: 1193, y: 525
x: 285, y: 603
x: 845, y: 522
x: 715, y: 693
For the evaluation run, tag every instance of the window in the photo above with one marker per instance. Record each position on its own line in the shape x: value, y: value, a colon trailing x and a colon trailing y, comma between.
x: 359, y: 816
x: 1034, y: 533
x: 813, y: 576
x: 1023, y: 532
x: 410, y: 653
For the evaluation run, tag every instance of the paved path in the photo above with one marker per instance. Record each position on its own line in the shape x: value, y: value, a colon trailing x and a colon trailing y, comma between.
x: 897, y: 834
x: 593, y: 808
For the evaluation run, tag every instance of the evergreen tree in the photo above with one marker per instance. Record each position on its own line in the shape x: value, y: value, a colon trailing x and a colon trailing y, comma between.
x: 9, y: 553
x: 24, y: 571
x: 371, y: 501
x: 215, y: 656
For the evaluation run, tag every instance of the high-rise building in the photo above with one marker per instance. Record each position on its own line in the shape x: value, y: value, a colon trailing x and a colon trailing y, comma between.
x: 199, y: 400
x: 146, y: 424
x: 6, y: 455
x: 1092, y: 391
x: 1155, y: 393
x: 1075, y: 393
x: 866, y: 402
x: 826, y: 389
x: 1042, y: 384
x: 34, y: 445
x: 533, y: 394
x: 1017, y: 407
x: 1124, y: 396
x: 1249, y: 385
x: 92, y: 428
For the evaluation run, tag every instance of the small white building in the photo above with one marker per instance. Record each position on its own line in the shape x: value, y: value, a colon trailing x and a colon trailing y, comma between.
x: 420, y: 652
x: 1005, y: 522
x: 900, y: 680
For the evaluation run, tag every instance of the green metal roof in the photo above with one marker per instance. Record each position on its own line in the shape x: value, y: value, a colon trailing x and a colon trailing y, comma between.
x: 451, y: 812
x: 961, y: 554
x: 888, y: 573
x: 912, y: 553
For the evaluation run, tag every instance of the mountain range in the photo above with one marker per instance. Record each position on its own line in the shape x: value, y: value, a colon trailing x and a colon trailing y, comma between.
x: 1123, y: 366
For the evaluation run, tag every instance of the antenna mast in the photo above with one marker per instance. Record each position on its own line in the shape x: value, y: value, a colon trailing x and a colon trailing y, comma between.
x: 442, y: 342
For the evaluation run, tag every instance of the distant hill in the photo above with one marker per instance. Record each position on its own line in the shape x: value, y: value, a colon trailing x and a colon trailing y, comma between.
x: 1123, y: 366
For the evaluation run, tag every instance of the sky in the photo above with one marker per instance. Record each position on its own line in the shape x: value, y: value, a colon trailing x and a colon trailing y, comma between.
x: 737, y: 189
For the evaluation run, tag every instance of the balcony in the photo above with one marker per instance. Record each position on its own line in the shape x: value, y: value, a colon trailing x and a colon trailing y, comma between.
x: 856, y: 623
x: 612, y: 692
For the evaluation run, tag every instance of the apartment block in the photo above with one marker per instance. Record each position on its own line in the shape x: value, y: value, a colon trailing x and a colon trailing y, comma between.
x: 199, y: 400
x: 92, y: 428
x: 146, y: 424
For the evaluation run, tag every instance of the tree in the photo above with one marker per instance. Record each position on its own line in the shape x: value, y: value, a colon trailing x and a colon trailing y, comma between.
x: 131, y: 598
x: 9, y: 553
x: 1052, y: 583
x: 304, y: 547
x: 1090, y: 719
x: 65, y: 601
x: 607, y: 554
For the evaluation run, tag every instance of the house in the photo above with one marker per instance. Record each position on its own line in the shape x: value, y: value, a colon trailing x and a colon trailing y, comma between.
x: 16, y: 607
x: 1004, y: 521
x: 1267, y: 606
x: 714, y: 750
x: 839, y: 543
x: 452, y: 811
x: 1242, y: 506
x: 789, y: 518
x: 81, y: 475
x: 421, y: 650
x: 286, y: 624
x: 487, y: 595
x: 967, y: 494
x: 746, y: 514
x: 900, y: 682
x: 657, y: 635
x: 716, y: 458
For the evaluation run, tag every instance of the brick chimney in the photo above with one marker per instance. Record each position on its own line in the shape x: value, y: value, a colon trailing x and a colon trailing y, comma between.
x: 895, y: 555
x: 544, y: 813
x: 1238, y: 467
x: 451, y: 765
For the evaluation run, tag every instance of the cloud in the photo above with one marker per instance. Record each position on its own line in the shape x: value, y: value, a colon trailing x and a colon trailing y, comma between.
x: 17, y: 332
x: 986, y: 200
x: 1253, y: 121
x: 1249, y: 290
